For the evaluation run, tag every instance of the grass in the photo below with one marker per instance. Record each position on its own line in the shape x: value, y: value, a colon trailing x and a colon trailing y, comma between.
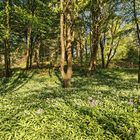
x: 105, y: 106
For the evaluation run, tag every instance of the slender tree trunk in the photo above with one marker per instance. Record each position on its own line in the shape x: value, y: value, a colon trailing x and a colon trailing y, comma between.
x: 94, y: 50
x: 90, y: 47
x: 102, y: 53
x: 78, y: 47
x: 81, y: 55
x: 95, y: 37
x: 79, y: 52
x: 37, y: 54
x: 31, y: 6
x: 111, y: 47
x: 138, y: 36
x: 29, y: 30
x: 107, y: 63
x: 109, y: 56
x: 6, y: 40
x: 112, y: 52
x: 69, y: 59
x: 62, y: 42
x: 86, y: 51
x: 37, y: 57
x: 31, y: 53
x: 7, y: 58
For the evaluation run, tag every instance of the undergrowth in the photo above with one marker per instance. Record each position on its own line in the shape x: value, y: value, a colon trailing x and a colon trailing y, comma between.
x: 104, y: 106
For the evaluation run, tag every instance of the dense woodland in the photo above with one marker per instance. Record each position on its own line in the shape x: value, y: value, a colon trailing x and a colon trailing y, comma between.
x: 69, y: 69
x: 68, y: 33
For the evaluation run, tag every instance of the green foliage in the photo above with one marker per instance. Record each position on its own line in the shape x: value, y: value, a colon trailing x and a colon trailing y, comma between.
x: 132, y: 55
x: 102, y: 107
x: 33, y: 104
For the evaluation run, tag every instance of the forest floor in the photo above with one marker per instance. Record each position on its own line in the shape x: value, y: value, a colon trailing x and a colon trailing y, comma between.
x: 105, y: 106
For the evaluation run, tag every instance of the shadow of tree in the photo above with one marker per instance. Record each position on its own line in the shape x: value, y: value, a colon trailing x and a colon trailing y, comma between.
x: 9, y: 85
x: 107, y: 78
x: 114, y: 123
x: 86, y: 117
x: 111, y: 123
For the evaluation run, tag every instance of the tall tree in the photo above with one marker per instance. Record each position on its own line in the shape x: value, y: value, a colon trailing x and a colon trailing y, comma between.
x: 7, y: 37
x: 66, y: 37
x: 95, y: 14
x: 138, y: 35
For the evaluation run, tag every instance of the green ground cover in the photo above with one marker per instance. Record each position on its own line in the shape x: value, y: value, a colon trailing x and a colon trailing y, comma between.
x: 105, y: 106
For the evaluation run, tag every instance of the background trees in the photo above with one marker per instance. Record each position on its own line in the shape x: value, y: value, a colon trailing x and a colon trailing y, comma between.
x: 70, y: 34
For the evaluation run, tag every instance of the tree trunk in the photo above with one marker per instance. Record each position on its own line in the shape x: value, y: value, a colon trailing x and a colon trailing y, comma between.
x: 78, y: 50
x: 31, y: 4
x: 81, y: 55
x: 69, y: 54
x: 86, y: 50
x: 31, y: 53
x: 95, y: 37
x: 112, y: 52
x: 7, y: 58
x: 37, y: 54
x: 28, y: 47
x: 94, y: 50
x: 6, y: 40
x: 107, y: 63
x: 138, y: 36
x: 66, y: 48
x: 102, y: 53
x: 62, y: 42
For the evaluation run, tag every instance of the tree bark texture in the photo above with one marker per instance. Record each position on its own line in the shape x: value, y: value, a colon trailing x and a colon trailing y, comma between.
x: 66, y: 47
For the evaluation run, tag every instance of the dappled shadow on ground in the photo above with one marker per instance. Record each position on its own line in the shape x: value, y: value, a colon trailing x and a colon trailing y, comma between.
x: 110, y: 78
x: 52, y: 103
x: 100, y: 84
x: 19, y: 79
x: 111, y: 124
x: 80, y: 82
